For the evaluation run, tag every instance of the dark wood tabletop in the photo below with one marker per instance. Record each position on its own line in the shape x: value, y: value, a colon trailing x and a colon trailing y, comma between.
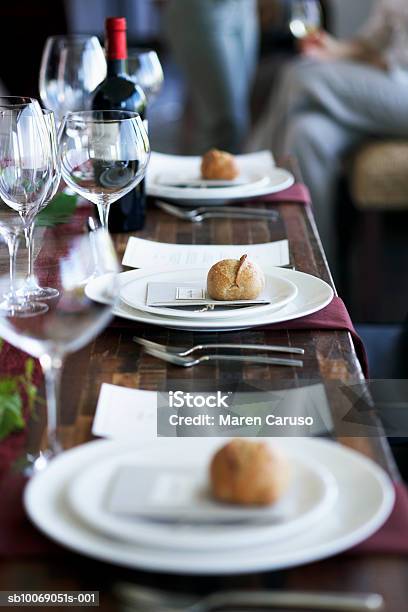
x: 114, y: 358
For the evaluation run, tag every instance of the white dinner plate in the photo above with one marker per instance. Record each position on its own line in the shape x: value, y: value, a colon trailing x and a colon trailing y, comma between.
x: 365, y: 500
x: 206, y: 525
x: 261, y: 176
x: 133, y: 293
x: 313, y: 295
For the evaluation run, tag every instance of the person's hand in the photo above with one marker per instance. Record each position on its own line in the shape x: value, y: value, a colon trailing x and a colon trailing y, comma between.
x: 324, y: 47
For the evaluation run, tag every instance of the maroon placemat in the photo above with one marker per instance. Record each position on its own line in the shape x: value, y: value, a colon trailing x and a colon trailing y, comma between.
x: 298, y: 193
x: 393, y: 536
x: 333, y: 317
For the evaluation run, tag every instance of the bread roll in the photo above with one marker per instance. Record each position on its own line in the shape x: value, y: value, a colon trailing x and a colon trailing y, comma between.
x: 233, y: 279
x: 249, y: 473
x: 218, y: 165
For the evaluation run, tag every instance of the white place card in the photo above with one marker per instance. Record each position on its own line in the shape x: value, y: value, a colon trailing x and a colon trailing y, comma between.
x: 125, y: 414
x: 182, y: 493
x: 160, y: 491
x: 188, y: 292
x: 142, y: 253
x: 192, y: 294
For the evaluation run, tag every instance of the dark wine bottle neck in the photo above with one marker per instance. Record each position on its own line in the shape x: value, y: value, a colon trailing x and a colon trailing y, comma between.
x: 117, y: 67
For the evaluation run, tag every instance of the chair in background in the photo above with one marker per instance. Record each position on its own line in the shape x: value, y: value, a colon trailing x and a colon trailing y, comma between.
x: 373, y: 213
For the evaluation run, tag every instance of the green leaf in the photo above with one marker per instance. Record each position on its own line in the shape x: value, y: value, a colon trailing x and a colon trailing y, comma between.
x: 59, y: 210
x: 11, y: 417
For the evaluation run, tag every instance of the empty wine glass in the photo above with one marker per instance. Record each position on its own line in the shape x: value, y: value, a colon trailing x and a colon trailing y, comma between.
x: 31, y: 289
x: 144, y: 68
x: 71, y: 68
x: 104, y: 155
x: 26, y: 166
x: 71, y: 321
x: 306, y: 18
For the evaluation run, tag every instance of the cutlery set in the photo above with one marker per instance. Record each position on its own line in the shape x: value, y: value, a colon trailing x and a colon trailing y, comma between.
x: 199, y: 214
x: 181, y: 356
x: 141, y: 598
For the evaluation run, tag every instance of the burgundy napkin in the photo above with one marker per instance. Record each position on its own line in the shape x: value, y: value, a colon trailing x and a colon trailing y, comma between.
x: 393, y: 535
x: 17, y: 535
x: 298, y: 193
x: 333, y: 317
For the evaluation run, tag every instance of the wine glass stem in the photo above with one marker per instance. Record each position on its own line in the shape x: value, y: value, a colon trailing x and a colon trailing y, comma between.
x: 29, y: 236
x: 52, y: 368
x: 12, y: 243
x: 103, y: 210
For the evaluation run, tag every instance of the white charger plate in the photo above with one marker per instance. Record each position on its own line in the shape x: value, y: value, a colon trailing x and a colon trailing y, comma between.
x: 265, y: 178
x: 313, y: 295
x: 134, y: 294
x: 365, y: 500
x: 311, y: 495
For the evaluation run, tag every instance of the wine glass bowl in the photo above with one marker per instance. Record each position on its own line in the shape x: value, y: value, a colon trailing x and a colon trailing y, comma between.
x: 104, y: 155
x: 26, y: 166
x: 145, y: 69
x: 25, y: 160
x: 70, y: 258
x: 71, y: 68
x: 31, y: 289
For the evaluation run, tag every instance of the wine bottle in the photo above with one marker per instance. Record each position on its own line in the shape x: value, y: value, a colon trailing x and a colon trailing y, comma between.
x: 118, y: 92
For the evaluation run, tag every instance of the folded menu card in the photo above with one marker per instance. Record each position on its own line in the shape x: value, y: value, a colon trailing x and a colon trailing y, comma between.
x: 191, y: 294
x: 142, y: 253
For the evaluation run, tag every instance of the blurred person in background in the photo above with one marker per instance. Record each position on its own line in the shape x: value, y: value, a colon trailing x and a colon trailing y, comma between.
x: 215, y: 43
x: 335, y: 96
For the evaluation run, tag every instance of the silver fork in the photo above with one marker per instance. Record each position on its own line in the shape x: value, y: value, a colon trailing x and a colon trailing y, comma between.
x: 141, y: 598
x: 187, y: 362
x: 197, y: 215
x: 183, y: 352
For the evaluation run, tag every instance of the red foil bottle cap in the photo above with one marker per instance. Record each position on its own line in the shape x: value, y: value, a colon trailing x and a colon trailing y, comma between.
x: 116, y: 47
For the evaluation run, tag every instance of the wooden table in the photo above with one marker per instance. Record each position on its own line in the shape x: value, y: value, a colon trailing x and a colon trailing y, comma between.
x: 114, y: 358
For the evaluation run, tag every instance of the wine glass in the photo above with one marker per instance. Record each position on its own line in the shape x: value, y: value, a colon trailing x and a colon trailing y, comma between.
x: 306, y: 18
x: 71, y: 68
x: 71, y: 321
x: 31, y: 290
x: 26, y: 166
x: 144, y: 68
x: 104, y: 155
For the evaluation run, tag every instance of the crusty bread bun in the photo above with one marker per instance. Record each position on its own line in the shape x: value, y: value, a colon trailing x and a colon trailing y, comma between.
x: 218, y: 165
x: 249, y: 473
x: 233, y: 279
